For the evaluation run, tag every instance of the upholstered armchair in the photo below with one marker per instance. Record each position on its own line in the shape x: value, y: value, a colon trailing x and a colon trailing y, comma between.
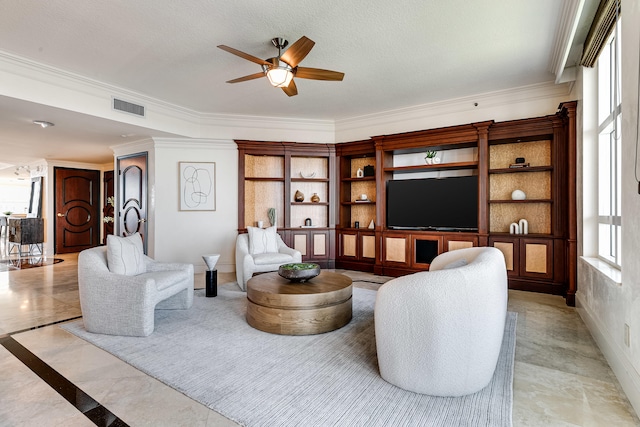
x: 123, y: 303
x: 260, y: 251
x: 440, y: 332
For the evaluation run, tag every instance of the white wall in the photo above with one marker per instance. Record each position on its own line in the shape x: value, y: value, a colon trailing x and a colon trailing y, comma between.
x: 187, y: 235
x: 607, y: 300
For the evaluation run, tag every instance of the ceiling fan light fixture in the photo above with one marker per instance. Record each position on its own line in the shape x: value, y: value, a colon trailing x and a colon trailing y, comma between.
x: 280, y: 76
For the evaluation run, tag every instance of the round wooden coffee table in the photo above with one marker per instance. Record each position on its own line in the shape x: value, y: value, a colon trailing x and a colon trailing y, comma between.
x: 279, y: 306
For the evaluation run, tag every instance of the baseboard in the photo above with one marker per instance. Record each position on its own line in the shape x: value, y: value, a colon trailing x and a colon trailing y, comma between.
x: 621, y: 366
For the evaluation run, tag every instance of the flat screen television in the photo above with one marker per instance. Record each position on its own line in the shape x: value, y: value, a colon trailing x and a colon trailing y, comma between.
x: 433, y: 204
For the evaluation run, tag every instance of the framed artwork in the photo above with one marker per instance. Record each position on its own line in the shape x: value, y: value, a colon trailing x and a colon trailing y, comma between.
x: 35, y: 201
x: 197, y: 186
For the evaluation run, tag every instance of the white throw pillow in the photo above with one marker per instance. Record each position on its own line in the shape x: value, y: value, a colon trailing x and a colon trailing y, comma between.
x: 455, y: 264
x: 125, y: 255
x: 262, y: 240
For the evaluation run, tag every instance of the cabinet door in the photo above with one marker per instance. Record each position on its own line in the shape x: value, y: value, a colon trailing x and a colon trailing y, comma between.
x: 510, y: 248
x: 451, y: 242
x: 313, y: 244
x: 536, y: 258
x: 396, y: 250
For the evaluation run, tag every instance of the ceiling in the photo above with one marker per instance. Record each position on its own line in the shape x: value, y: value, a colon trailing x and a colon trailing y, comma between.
x: 393, y: 54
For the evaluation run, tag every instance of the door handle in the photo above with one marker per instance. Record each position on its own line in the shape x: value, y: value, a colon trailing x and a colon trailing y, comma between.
x: 60, y: 215
x: 142, y: 220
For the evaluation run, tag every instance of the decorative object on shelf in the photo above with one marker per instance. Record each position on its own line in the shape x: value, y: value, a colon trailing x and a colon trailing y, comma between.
x: 299, y: 272
x: 260, y: 224
x: 520, y: 163
x: 363, y: 197
x: 311, y: 175
x: 359, y: 173
x: 372, y: 225
x: 514, y: 228
x: 436, y: 160
x: 357, y: 224
x: 7, y: 213
x: 308, y: 222
x: 523, y: 224
x: 520, y: 227
x: 369, y: 170
x: 518, y: 195
x: 299, y: 196
x: 315, y: 198
x: 429, y: 156
x: 271, y: 213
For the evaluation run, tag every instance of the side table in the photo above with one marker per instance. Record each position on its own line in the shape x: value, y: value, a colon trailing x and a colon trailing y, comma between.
x: 211, y: 283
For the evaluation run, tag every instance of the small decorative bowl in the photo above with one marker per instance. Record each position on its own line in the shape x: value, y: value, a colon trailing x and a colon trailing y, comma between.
x: 299, y: 272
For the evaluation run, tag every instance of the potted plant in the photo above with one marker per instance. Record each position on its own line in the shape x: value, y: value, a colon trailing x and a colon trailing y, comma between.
x: 429, y: 157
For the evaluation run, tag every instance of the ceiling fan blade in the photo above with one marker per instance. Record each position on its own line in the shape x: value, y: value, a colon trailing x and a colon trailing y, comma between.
x: 244, y: 55
x: 297, y: 51
x: 318, y: 74
x: 292, y: 89
x: 245, y: 78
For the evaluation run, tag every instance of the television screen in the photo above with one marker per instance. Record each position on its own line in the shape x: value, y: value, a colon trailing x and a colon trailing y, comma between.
x: 433, y: 203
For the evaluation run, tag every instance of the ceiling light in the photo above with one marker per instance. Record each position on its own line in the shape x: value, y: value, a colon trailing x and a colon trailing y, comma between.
x: 43, y: 123
x: 280, y: 76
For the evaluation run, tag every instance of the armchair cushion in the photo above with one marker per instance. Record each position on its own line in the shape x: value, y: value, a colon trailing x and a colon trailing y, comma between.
x: 262, y: 240
x: 271, y: 258
x: 125, y: 255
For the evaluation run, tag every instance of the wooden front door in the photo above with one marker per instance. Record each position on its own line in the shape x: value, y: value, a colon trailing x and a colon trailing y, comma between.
x: 132, y: 195
x: 77, y: 207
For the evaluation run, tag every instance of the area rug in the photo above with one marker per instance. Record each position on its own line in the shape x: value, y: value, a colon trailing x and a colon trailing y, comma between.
x: 212, y: 355
x: 23, y: 263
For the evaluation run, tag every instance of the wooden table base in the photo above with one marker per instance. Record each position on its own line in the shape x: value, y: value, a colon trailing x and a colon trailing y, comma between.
x: 278, y: 306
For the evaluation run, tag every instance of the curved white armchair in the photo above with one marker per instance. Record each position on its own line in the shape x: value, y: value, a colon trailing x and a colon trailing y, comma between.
x: 440, y: 332
x: 118, y: 304
x: 247, y: 264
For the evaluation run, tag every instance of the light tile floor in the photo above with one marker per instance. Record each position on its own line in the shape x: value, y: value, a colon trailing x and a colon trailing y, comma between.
x: 561, y: 378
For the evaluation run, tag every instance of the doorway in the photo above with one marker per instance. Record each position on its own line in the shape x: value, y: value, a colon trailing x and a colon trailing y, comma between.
x: 77, y: 199
x: 132, y: 196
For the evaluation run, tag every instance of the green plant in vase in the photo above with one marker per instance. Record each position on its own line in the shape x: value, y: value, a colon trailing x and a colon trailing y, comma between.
x: 430, y: 157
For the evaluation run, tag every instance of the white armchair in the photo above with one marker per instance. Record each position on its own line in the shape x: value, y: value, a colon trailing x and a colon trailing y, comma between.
x: 440, y: 332
x: 266, y: 253
x: 121, y: 304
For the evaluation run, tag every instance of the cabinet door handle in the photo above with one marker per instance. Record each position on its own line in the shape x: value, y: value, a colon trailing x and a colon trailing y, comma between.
x: 60, y: 215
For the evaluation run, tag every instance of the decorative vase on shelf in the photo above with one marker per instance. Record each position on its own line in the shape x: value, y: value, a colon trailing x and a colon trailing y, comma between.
x: 315, y: 198
x: 428, y: 160
x: 298, y: 197
x: 359, y: 173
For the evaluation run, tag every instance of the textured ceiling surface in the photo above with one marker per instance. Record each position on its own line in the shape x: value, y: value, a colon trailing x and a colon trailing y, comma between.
x: 394, y: 55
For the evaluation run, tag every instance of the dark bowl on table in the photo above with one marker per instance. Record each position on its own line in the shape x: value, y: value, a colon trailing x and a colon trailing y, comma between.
x: 299, y: 272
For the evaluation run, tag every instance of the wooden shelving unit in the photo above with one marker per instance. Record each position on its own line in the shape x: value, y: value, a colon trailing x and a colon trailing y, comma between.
x: 270, y: 175
x: 542, y: 260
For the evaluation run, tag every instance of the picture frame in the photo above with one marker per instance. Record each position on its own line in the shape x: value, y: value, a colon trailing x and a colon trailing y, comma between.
x: 197, y: 186
x: 35, y: 200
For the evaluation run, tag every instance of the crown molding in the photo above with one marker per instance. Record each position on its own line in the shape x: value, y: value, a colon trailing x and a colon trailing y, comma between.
x: 541, y: 91
x: 565, y: 33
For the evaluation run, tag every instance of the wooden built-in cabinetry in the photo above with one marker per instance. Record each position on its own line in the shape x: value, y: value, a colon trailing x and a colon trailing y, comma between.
x: 542, y: 260
x: 270, y: 175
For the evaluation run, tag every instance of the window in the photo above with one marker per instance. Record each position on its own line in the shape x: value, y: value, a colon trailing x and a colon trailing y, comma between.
x: 609, y: 150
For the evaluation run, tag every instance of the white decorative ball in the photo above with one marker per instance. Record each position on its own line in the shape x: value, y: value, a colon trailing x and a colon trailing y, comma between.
x: 518, y: 195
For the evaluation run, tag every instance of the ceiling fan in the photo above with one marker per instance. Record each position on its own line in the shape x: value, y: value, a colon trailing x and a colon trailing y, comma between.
x: 282, y: 69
